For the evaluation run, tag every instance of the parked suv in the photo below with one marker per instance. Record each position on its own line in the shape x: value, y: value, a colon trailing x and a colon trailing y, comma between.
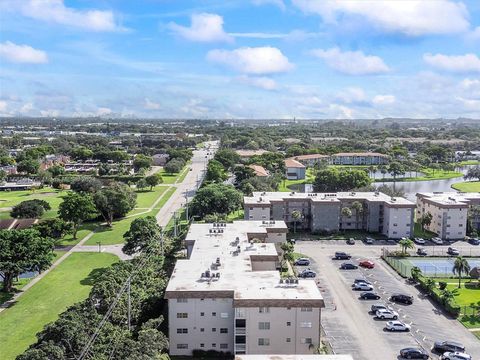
x: 401, y: 298
x: 452, y: 251
x: 455, y: 356
x: 302, y: 262
x: 414, y: 353
x: 444, y: 346
x: 379, y: 306
x: 340, y: 255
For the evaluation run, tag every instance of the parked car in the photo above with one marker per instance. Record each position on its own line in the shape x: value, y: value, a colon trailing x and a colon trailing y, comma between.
x: 401, y: 298
x: 348, y: 266
x: 302, y: 262
x: 365, y: 281
x: 369, y: 296
x: 307, y: 273
x: 367, y: 264
x: 419, y: 241
x: 455, y: 356
x: 351, y: 241
x: 340, y: 255
x: 369, y: 240
x: 379, y: 306
x: 474, y: 241
x: 421, y: 252
x: 437, y: 240
x: 452, y: 251
x: 363, y: 287
x: 397, y: 326
x: 386, y: 314
x: 447, y: 346
x: 414, y: 353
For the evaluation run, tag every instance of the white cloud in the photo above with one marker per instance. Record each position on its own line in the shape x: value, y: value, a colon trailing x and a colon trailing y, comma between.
x: 278, y: 3
x: 352, y: 95
x: 22, y: 53
x: 103, y: 111
x: 262, y: 82
x: 252, y: 60
x: 55, y: 11
x: 26, y: 108
x: 383, y: 99
x: 204, y: 27
x: 475, y: 34
x: 454, y: 63
x: 413, y: 18
x: 351, y: 62
x: 150, y: 105
x: 3, y: 106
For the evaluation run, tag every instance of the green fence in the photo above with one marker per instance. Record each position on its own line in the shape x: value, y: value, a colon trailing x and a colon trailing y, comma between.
x: 399, y: 266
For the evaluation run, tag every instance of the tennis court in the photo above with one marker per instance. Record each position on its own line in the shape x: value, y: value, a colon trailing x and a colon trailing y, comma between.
x: 435, y: 266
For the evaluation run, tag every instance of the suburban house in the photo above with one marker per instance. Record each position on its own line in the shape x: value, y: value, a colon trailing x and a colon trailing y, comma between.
x: 160, y: 159
x: 259, y: 171
x: 247, y: 154
x: 450, y: 211
x: 311, y: 160
x: 229, y: 296
x: 294, y: 170
x: 322, y: 212
x: 366, y: 158
x: 21, y: 184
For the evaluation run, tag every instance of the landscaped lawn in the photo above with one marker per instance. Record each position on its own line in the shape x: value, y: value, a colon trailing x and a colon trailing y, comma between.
x: 68, y: 283
x: 285, y: 185
x: 469, y: 186
x: 12, y: 198
x: 172, y: 178
x: 146, y: 198
x: 424, y: 234
x: 83, y: 231
x: 428, y: 174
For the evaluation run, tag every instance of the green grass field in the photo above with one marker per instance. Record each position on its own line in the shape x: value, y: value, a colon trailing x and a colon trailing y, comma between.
x: 469, y: 186
x: 12, y: 198
x: 428, y: 174
x: 424, y: 234
x: 172, y: 178
x: 146, y: 198
x: 69, y: 283
x: 286, y: 185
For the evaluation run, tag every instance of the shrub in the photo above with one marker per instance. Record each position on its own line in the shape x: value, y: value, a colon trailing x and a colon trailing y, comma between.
x: 442, y: 285
x: 30, y: 209
x: 200, y: 354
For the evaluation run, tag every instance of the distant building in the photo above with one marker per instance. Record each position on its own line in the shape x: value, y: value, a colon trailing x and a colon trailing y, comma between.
x: 367, y: 158
x: 392, y: 217
x: 22, y: 184
x: 449, y: 212
x: 259, y: 171
x: 294, y: 170
x: 229, y: 296
x: 293, y: 357
x: 160, y: 159
x: 311, y: 160
x: 247, y: 154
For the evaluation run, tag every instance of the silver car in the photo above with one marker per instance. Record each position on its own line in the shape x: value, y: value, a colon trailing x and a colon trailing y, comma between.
x: 386, y: 314
x: 437, y: 240
x: 456, y: 356
x: 397, y: 326
x: 419, y: 241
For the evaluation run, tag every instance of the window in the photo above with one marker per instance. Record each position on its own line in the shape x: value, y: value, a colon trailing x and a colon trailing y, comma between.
x: 394, y: 224
x: 263, y: 342
x: 202, y: 345
x: 289, y: 340
x: 182, y: 315
x: 264, y: 325
x: 214, y: 329
x: 250, y: 216
x: 224, y: 315
x: 214, y: 313
x: 182, y: 331
x: 251, y: 208
x: 306, y: 309
x: 214, y: 345
x: 289, y: 323
x: 448, y: 225
x: 202, y: 329
x: 182, y: 300
x: 223, y: 346
x: 202, y: 314
x: 223, y: 331
x: 306, y: 340
x: 182, y: 346
x: 264, y: 310
x: 460, y: 225
x: 306, y: 324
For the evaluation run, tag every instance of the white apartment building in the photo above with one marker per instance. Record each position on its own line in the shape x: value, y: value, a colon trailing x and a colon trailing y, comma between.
x: 293, y: 357
x: 380, y: 213
x: 228, y: 295
x: 449, y: 212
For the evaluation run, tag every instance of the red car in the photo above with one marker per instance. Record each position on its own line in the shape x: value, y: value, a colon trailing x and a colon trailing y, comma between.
x: 367, y: 264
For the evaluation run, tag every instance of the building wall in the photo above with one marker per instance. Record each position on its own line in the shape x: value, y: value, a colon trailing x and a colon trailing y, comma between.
x: 257, y: 212
x: 398, y: 222
x: 295, y: 173
x: 279, y: 330
x: 374, y: 216
x: 359, y: 160
x: 217, y: 314
x: 325, y: 216
x: 447, y: 223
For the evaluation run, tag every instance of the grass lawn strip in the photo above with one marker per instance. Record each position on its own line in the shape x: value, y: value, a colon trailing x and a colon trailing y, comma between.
x: 468, y: 186
x: 67, y: 284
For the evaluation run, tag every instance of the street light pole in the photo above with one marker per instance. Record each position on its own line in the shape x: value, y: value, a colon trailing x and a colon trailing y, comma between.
x: 186, y: 205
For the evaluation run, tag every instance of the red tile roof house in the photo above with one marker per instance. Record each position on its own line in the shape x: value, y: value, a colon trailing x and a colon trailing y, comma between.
x: 294, y: 170
x: 311, y: 159
x: 259, y: 171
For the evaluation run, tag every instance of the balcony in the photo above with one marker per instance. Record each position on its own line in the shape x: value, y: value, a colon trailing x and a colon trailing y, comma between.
x: 240, y: 348
x: 240, y: 331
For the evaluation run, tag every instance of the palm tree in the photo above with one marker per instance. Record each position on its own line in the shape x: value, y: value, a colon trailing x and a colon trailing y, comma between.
x: 346, y: 212
x: 358, y: 207
x: 460, y: 266
x: 406, y: 243
x: 383, y: 170
x: 430, y: 285
x: 415, y: 272
x: 287, y: 255
x: 296, y: 215
x: 446, y: 296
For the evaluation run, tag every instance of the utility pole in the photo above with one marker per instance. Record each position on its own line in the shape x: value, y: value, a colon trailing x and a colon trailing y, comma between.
x: 175, y: 224
x: 161, y: 243
x: 129, y: 304
x: 186, y: 206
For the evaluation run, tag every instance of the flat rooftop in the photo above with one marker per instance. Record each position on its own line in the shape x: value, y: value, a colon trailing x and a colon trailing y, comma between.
x: 268, y: 197
x: 451, y: 198
x: 237, y: 279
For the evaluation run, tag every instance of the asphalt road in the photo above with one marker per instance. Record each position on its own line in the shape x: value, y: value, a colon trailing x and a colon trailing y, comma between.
x: 349, y: 326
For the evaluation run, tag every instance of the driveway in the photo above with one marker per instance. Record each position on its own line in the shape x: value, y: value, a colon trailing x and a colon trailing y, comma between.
x: 349, y: 326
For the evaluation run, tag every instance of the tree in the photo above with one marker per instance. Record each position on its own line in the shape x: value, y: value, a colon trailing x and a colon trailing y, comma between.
x: 174, y: 166
x: 142, y: 184
x: 28, y: 166
x: 358, y: 207
x: 243, y: 173
x: 3, y: 175
x: 86, y: 184
x: 446, y: 296
x: 333, y: 180
x: 287, y: 252
x: 56, y: 170
x: 430, y: 285
x: 142, y: 162
x: 473, y: 173
x: 415, y: 272
x: 426, y: 220
x: 144, y: 234
x: 405, y: 244
x: 215, y: 172
x: 154, y: 180
x: 216, y: 198
x: 346, y: 212
x: 114, y: 201
x: 22, y: 251
x: 53, y: 228
x: 76, y: 208
x: 30, y: 209
x: 396, y: 168
x: 227, y: 157
x: 81, y: 153
x: 383, y: 170
x: 296, y: 216
x: 460, y: 267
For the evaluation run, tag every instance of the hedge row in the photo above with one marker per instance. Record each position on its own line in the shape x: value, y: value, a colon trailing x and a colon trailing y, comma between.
x: 452, y: 309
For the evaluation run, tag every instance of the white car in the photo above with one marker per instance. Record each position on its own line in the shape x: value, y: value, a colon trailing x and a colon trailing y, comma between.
x: 455, y: 356
x: 397, y: 326
x: 437, y: 240
x: 386, y: 314
x: 419, y: 241
x: 363, y: 287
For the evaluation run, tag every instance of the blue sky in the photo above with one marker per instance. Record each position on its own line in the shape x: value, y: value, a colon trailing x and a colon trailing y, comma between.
x: 240, y: 58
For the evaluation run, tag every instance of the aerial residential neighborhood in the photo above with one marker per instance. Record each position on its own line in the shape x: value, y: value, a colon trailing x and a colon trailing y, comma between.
x: 242, y: 180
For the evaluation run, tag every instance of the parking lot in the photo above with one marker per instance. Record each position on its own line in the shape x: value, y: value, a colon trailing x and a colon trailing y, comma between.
x: 349, y: 326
